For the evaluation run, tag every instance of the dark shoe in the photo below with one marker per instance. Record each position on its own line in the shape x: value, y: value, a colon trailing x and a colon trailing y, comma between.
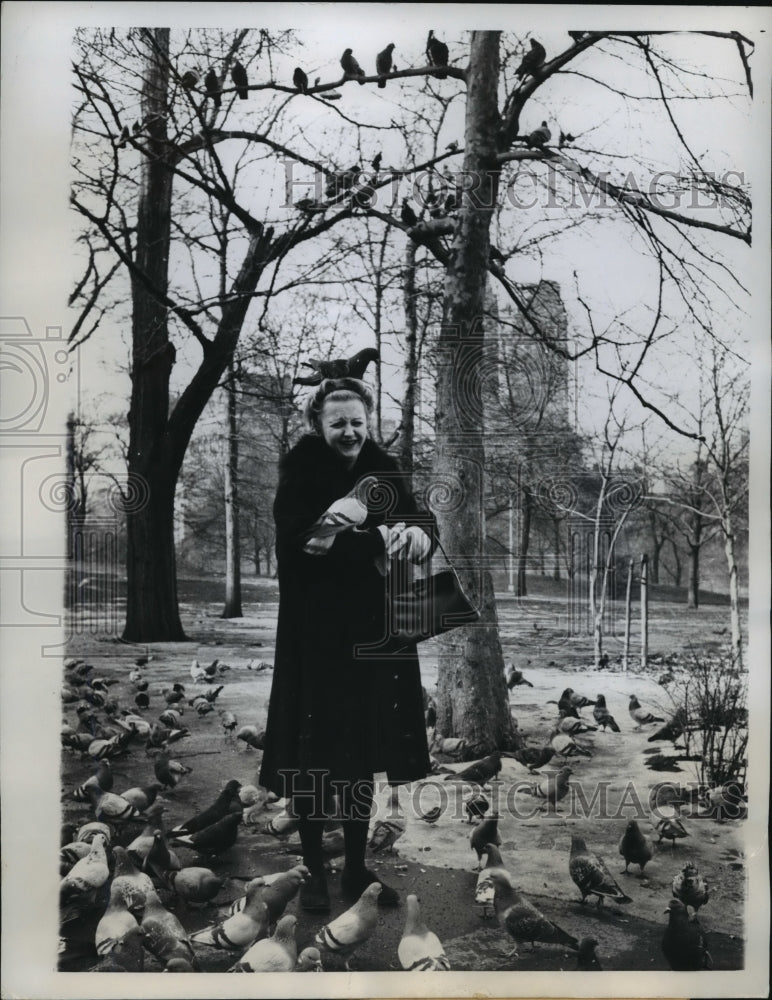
x: 353, y: 884
x: 313, y: 894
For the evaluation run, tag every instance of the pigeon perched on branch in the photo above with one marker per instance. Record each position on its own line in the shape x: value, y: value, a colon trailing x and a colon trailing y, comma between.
x: 300, y: 80
x: 212, y: 85
x: 351, y: 67
x: 240, y: 80
x: 532, y: 60
x: 539, y: 137
x: 437, y: 54
x: 383, y: 64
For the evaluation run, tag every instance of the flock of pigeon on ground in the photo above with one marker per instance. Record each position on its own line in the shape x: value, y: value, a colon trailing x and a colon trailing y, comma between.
x: 121, y: 874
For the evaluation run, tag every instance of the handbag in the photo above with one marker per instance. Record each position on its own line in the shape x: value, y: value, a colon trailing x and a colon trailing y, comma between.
x: 429, y: 607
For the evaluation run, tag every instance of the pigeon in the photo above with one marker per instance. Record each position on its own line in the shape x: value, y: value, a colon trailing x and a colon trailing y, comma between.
x: 634, y: 847
x: 275, y: 954
x: 376, y: 163
x: 522, y: 920
x: 577, y: 36
x: 309, y: 960
x: 515, y: 677
x: 211, y: 694
x: 282, y: 824
x: 300, y: 80
x: 127, y: 878
x: 486, y: 833
x: 282, y: 891
x: 539, y: 137
x: 142, y: 797
x: 240, y: 80
x: 351, y: 67
x: 89, y: 874
x: 407, y: 214
x: 261, y: 881
x: 481, y: 771
x: 172, y: 717
x: 226, y: 802
x: 602, y: 715
x: 165, y: 937
x: 214, y: 839
x: 195, y: 885
x: 353, y: 367
x: 437, y: 54
x: 591, y: 875
x: 534, y: 757
x: 419, y: 949
x: 640, y: 715
x: 159, y: 859
x: 476, y: 807
x: 531, y: 61
x: 484, y: 893
x: 343, y: 935
x: 690, y: 887
x: 669, y: 762
x: 118, y: 919
x: 672, y: 729
x: 109, y: 806
x: 684, y: 944
x: 385, y: 834
x: 189, y: 79
x: 197, y: 672
x: 212, y: 85
x: 103, y: 779
x: 671, y: 828
x: 573, y: 727
x: 168, y: 771
x: 566, y: 747
x: 126, y: 955
x: 238, y: 930
x: 565, y: 703
x: 587, y: 960
x: 553, y: 787
x: 431, y: 816
x: 383, y: 63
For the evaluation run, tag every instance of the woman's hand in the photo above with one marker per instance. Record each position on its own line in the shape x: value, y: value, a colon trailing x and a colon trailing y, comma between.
x: 403, y: 543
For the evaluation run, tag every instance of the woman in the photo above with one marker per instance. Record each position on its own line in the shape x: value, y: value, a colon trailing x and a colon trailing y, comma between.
x: 337, y: 716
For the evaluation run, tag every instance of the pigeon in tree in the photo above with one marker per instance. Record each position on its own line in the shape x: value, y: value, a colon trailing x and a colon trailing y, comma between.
x: 351, y: 67
x: 240, y: 80
x: 383, y: 64
x: 634, y: 847
x: 354, y: 367
x: 124, y: 137
x: 591, y: 875
x: 343, y: 935
x: 690, y: 887
x: 212, y: 85
x: 419, y: 949
x: 539, y: 137
x: 189, y: 79
x: 522, y: 920
x: 639, y: 715
x: 376, y: 163
x: 407, y: 214
x: 531, y: 60
x: 300, y: 80
x: 602, y: 715
x: 684, y: 944
x: 437, y: 54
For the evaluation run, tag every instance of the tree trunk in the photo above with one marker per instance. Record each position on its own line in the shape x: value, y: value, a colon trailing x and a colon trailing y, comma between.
x: 628, y: 615
x: 693, y: 595
x: 472, y: 697
x: 407, y: 438
x: 525, y: 540
x: 556, y: 575
x: 151, y: 580
x: 644, y: 611
x: 734, y: 591
x: 232, y: 607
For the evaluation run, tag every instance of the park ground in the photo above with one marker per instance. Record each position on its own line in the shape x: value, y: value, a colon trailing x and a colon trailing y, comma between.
x: 436, y: 861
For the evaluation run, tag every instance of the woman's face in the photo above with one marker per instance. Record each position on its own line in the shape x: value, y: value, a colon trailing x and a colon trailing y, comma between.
x: 344, y: 427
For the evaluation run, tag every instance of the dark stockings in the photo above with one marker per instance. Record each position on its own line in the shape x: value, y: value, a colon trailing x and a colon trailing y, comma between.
x: 354, y: 805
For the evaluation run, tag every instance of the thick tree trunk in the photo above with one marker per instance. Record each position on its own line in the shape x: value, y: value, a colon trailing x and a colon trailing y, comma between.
x: 472, y: 697
x: 407, y: 437
x: 525, y: 541
x: 232, y: 607
x: 151, y: 581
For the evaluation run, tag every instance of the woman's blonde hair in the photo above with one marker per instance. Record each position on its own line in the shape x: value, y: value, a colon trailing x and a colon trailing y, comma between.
x: 339, y: 390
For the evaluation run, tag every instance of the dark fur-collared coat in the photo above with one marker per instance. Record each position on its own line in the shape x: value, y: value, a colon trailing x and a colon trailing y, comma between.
x: 329, y: 709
